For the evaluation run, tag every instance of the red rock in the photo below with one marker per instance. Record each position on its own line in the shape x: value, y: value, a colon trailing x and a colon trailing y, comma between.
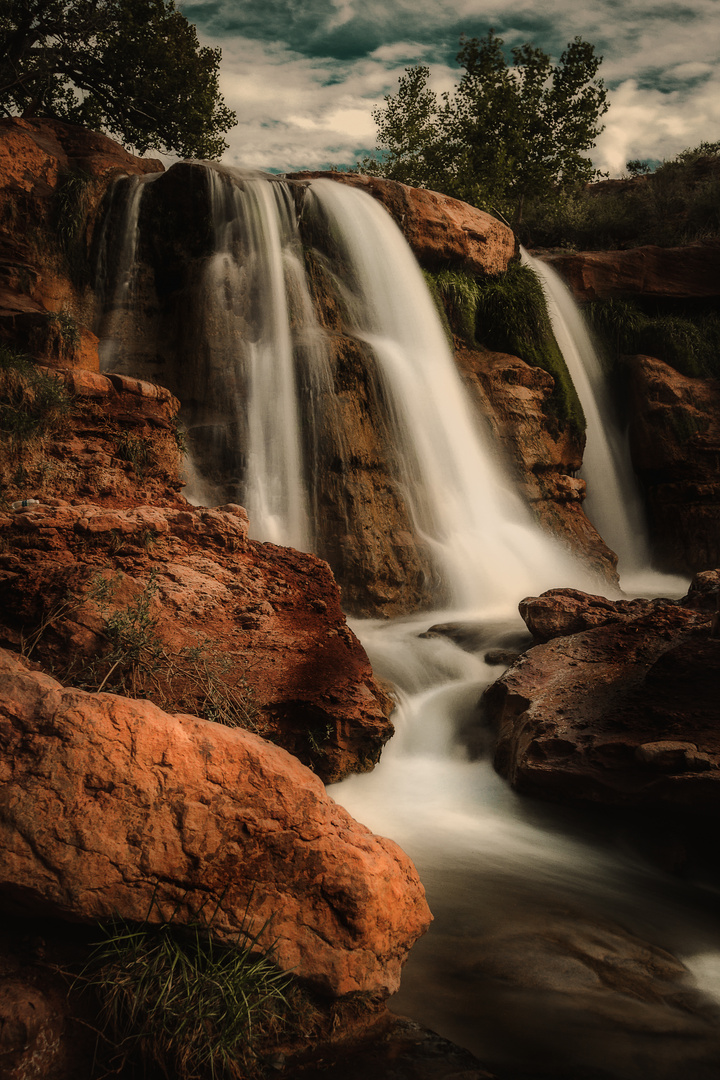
x: 267, y: 620
x: 680, y: 272
x: 624, y: 713
x: 513, y: 398
x: 109, y: 802
x: 36, y: 279
x: 441, y: 230
x: 559, y: 612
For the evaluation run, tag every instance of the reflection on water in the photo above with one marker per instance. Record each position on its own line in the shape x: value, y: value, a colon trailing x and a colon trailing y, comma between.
x: 555, y: 947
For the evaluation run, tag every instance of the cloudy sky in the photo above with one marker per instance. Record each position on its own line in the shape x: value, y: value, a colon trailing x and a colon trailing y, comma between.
x: 304, y: 75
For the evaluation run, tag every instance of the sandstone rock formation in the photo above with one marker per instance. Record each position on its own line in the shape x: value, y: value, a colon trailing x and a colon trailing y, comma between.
x: 442, y: 231
x: 690, y: 271
x: 675, y: 446
x: 622, y: 710
x: 223, y: 625
x: 110, y: 803
x: 542, y: 457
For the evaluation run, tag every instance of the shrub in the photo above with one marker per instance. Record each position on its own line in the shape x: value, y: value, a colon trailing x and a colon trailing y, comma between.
x: 512, y: 317
x: 32, y: 403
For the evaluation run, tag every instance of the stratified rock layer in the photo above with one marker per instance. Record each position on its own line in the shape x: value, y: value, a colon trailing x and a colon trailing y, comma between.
x: 681, y: 272
x: 624, y: 713
x: 110, y: 804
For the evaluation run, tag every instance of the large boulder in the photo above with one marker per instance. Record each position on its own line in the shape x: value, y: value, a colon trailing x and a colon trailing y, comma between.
x: 442, y: 231
x: 200, y: 619
x: 110, y: 806
x: 623, y: 711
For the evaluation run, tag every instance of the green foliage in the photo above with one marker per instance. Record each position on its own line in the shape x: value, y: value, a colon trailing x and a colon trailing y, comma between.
x: 506, y: 134
x: 687, y: 341
x: 173, y: 998
x: 32, y: 403
x: 135, y: 449
x: 72, y: 202
x: 461, y: 295
x: 677, y: 204
x: 508, y: 313
x: 131, y: 656
x: 131, y: 67
x: 512, y: 317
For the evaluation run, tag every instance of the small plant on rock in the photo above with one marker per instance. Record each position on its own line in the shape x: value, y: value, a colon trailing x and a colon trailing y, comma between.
x: 172, y: 997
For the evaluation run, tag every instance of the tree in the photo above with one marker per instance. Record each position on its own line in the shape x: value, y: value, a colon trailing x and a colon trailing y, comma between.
x: 133, y: 68
x: 506, y: 134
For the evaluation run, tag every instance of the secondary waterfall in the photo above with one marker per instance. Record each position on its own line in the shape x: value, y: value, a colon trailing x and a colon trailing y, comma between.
x: 613, y: 501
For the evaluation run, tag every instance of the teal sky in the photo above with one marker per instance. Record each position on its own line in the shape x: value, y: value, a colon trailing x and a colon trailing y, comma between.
x: 304, y: 75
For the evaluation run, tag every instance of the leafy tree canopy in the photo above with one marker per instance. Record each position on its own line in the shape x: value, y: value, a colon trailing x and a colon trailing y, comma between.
x: 506, y: 134
x: 133, y: 68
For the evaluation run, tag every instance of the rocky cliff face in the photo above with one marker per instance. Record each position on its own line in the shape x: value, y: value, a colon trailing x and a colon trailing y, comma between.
x: 650, y: 271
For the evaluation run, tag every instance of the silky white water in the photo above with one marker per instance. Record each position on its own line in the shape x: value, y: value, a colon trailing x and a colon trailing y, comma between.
x: 245, y: 290
x: 461, y: 501
x: 117, y: 267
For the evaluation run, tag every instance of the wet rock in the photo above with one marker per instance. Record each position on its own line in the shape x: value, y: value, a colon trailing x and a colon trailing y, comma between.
x: 568, y: 611
x: 675, y: 445
x: 541, y: 455
x: 442, y: 231
x: 113, y: 807
x: 623, y: 713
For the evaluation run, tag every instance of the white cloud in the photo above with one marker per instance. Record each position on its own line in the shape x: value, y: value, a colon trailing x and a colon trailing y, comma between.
x: 660, y: 64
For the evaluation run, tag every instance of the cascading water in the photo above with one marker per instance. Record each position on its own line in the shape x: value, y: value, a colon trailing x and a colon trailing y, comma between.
x: 117, y: 264
x: 517, y: 891
x: 613, y: 501
x: 484, y: 543
x: 255, y: 255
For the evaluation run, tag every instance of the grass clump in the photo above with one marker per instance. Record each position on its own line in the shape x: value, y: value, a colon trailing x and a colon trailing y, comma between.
x: 176, y: 1001
x: 512, y: 317
x: 132, y: 656
x: 136, y: 450
x: 72, y: 205
x: 688, y: 341
x: 33, y: 404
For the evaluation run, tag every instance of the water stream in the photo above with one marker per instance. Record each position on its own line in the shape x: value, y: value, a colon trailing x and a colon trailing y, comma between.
x: 522, y: 893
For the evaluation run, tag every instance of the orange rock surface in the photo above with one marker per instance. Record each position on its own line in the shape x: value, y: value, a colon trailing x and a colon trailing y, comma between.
x: 109, y: 802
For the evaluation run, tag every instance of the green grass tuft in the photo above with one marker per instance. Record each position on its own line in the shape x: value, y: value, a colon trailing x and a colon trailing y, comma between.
x: 174, y: 999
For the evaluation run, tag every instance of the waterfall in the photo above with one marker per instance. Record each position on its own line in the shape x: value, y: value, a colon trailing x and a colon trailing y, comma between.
x: 460, y: 500
x: 613, y: 503
x: 117, y: 264
x: 246, y: 284
x: 501, y: 872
